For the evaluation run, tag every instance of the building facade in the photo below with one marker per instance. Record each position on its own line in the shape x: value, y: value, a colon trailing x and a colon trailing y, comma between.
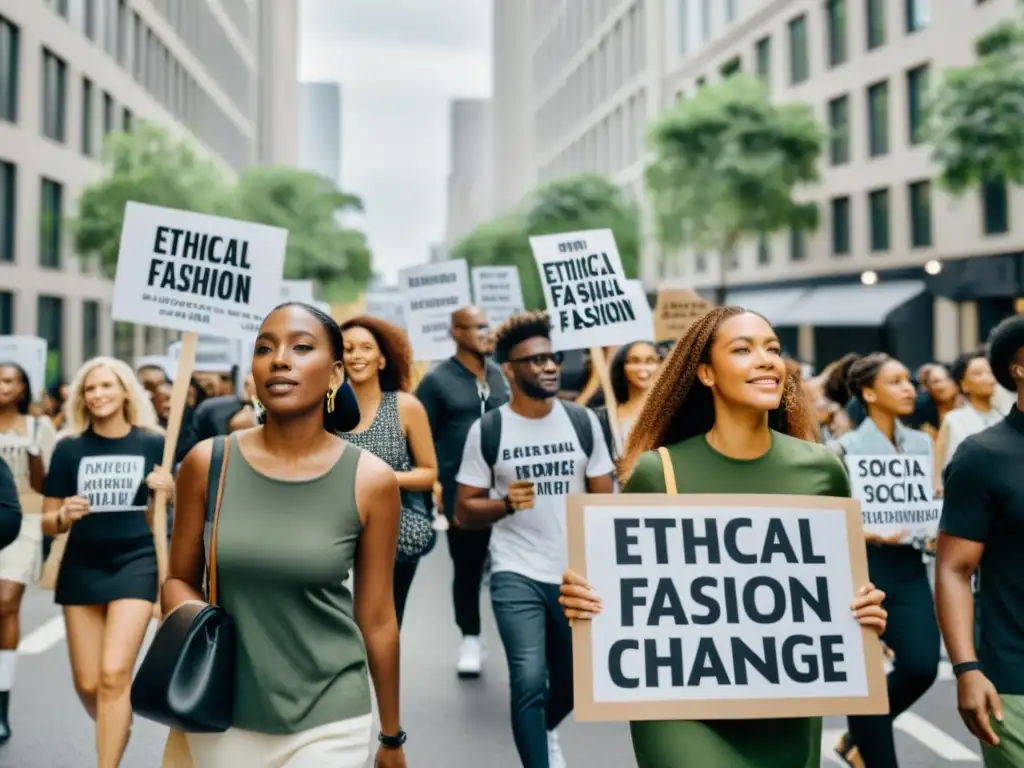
x: 73, y: 71
x: 470, y: 178
x: 320, y: 129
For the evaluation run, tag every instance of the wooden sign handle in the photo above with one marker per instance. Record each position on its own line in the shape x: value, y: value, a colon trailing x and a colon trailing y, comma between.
x: 179, y: 399
x: 599, y: 364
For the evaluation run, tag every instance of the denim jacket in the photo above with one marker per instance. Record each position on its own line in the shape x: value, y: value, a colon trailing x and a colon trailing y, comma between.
x: 868, y: 439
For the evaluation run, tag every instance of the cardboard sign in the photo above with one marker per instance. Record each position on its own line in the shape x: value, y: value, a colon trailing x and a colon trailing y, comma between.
x: 721, y: 607
x: 387, y: 305
x: 895, y: 493
x: 30, y: 353
x: 297, y: 290
x: 586, y: 290
x: 675, y: 311
x: 111, y: 483
x: 197, y: 273
x: 498, y: 292
x: 430, y: 293
x: 215, y: 355
x: 644, y: 314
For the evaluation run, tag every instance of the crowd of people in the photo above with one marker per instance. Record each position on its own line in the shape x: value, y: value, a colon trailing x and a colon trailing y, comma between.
x: 342, y: 466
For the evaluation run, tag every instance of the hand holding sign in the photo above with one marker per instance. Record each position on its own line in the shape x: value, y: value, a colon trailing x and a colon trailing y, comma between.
x: 74, y: 509
x: 577, y: 598
x: 160, y: 480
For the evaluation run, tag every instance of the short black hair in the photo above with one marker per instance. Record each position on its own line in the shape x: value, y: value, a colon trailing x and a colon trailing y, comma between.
x: 1004, y: 343
x: 25, y: 401
x: 517, y: 329
x: 958, y: 370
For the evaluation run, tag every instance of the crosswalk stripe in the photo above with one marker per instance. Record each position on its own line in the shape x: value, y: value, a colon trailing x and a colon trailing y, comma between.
x: 43, y: 638
x: 937, y: 740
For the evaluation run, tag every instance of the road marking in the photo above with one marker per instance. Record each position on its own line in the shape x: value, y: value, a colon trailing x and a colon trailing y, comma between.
x: 937, y: 740
x: 43, y: 638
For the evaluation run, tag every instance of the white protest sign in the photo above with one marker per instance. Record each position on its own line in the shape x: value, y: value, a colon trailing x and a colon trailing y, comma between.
x: 297, y: 290
x: 111, y: 483
x: 644, y: 313
x: 722, y: 606
x: 586, y: 290
x: 30, y: 353
x: 193, y: 272
x: 498, y: 292
x: 430, y: 293
x: 214, y: 355
x: 895, y: 493
x: 387, y: 305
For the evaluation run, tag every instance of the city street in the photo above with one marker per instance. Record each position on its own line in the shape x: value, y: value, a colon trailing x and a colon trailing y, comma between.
x: 451, y: 724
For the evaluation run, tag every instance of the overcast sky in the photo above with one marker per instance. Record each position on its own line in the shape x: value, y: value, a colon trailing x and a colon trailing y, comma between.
x: 399, y: 62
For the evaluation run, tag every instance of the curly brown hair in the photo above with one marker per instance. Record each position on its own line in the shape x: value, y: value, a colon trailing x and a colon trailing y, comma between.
x: 394, y: 347
x: 517, y: 329
x: 678, y: 407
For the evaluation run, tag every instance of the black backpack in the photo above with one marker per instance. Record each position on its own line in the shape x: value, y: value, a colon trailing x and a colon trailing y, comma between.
x: 490, y: 432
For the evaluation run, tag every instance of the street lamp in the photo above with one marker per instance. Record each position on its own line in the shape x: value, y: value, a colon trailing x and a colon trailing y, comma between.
x: 933, y: 266
x: 869, y: 277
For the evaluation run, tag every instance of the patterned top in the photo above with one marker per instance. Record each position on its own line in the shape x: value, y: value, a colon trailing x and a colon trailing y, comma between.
x: 384, y: 437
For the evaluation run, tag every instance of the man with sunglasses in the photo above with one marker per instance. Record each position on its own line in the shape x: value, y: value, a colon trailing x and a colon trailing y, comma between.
x: 455, y: 394
x: 519, y: 464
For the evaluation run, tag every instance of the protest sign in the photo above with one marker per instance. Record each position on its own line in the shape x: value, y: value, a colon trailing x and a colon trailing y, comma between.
x: 498, y: 292
x: 193, y: 272
x: 297, y: 290
x: 675, y: 311
x: 644, y: 315
x: 213, y: 355
x: 895, y: 493
x: 430, y: 293
x: 721, y: 607
x: 586, y: 290
x: 387, y: 305
x: 30, y: 353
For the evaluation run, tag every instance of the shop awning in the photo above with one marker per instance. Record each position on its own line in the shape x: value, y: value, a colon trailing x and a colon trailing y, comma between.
x: 774, y: 305
x: 850, y: 305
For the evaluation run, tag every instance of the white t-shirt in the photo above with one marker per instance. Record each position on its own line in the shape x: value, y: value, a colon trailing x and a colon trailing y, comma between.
x: 531, y: 542
x: 14, y: 450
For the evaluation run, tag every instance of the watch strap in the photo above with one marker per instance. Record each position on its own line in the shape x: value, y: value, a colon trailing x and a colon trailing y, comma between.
x: 392, y: 742
x: 966, y: 666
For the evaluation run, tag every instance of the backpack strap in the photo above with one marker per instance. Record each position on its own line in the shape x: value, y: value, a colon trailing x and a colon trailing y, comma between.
x: 670, y: 472
x: 490, y: 438
x: 580, y: 418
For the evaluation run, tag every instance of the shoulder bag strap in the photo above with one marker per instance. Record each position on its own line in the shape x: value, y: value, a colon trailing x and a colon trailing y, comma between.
x: 218, y: 471
x: 669, y: 470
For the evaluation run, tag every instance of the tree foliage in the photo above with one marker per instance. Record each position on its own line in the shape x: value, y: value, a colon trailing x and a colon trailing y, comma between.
x: 587, y: 201
x: 149, y: 166
x: 976, y: 115
x: 726, y: 165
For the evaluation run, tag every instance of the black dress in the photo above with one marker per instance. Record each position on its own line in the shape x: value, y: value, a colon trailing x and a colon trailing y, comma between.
x: 109, y: 553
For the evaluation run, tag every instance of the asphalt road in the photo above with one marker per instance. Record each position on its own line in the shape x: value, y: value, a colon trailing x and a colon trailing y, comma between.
x: 451, y: 724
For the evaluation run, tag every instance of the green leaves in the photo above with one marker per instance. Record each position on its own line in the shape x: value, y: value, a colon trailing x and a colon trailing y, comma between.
x: 149, y: 166
x: 976, y: 115
x: 727, y: 163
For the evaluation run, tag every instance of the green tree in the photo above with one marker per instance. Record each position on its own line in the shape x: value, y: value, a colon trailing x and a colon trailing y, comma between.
x: 147, y: 166
x: 726, y: 165
x: 976, y: 115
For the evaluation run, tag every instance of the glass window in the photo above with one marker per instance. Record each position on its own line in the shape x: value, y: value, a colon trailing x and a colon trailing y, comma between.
x: 920, y: 204
x: 90, y: 329
x: 878, y: 208
x: 918, y: 14
x: 705, y: 20
x: 108, y: 114
x: 684, y: 27
x: 730, y: 10
x: 917, y: 93
x: 88, y: 117
x: 841, y: 226
x: 124, y: 341
x: 995, y: 205
x: 89, y: 19
x: 875, y: 23
x: 50, y: 321
x: 878, y: 119
x: 122, y: 33
x: 836, y: 31
x: 799, y: 58
x: 8, y: 209
x: 51, y: 208
x: 127, y: 120
x: 797, y: 245
x: 764, y: 58
x: 839, y: 130
x: 730, y: 68
x: 55, y: 87
x: 9, y: 70
x: 59, y: 6
x: 6, y: 313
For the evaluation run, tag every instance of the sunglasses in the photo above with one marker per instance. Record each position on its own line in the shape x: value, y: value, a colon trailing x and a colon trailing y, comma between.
x: 542, y: 359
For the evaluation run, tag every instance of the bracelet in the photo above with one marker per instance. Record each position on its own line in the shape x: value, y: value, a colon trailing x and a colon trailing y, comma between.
x: 62, y: 526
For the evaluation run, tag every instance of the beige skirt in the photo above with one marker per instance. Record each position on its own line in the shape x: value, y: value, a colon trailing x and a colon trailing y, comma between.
x: 344, y: 744
x: 22, y: 559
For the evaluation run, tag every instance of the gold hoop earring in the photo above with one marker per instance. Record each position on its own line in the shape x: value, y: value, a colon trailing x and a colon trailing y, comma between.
x: 330, y: 400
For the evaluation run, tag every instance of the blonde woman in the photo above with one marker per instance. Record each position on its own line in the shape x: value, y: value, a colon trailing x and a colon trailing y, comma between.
x: 98, y: 491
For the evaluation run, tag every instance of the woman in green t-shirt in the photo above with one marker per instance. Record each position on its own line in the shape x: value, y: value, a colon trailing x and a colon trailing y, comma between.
x: 731, y: 420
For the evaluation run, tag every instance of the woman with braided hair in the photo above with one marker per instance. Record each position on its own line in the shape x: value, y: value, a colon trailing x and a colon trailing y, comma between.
x: 732, y: 421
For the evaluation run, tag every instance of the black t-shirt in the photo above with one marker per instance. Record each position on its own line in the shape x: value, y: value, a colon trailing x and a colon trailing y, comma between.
x: 111, y: 473
x: 984, y: 501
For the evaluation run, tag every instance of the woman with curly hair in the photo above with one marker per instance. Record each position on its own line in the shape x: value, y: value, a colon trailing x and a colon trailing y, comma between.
x: 393, y: 424
x: 726, y: 417
x: 632, y: 370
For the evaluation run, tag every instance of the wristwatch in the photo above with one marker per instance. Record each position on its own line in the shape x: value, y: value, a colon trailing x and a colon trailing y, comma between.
x: 966, y: 666
x: 392, y: 742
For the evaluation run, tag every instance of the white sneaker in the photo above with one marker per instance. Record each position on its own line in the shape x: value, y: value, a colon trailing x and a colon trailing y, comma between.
x: 555, y: 757
x: 471, y: 657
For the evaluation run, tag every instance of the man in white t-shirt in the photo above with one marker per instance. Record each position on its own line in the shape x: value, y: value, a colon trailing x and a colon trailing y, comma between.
x: 519, y: 463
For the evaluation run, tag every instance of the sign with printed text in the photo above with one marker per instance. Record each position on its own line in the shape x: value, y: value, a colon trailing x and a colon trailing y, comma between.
x: 895, y: 493
x: 721, y: 607
x: 192, y: 272
x: 586, y: 290
x: 387, y: 305
x: 675, y: 311
x: 111, y: 483
x: 30, y: 353
x: 297, y: 290
x: 430, y: 293
x: 498, y: 292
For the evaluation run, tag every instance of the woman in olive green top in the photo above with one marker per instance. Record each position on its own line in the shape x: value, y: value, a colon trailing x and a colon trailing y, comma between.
x: 732, y: 421
x: 300, y: 508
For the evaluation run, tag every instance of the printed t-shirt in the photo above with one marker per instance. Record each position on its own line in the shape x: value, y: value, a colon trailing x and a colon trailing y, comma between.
x: 111, y: 474
x: 790, y: 466
x: 14, y: 447
x: 531, y: 542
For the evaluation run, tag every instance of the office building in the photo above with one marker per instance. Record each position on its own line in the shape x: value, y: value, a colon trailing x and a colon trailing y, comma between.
x: 469, y: 180
x: 320, y: 129
x: 513, y: 174
x: 73, y: 71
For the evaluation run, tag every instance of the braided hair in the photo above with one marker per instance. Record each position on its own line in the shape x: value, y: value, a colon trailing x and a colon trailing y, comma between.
x: 679, y: 407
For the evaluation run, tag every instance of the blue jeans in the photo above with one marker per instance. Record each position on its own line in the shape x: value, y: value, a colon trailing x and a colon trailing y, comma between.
x: 538, y: 647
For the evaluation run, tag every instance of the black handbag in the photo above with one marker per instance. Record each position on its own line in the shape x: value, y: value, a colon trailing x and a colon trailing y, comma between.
x: 187, y: 680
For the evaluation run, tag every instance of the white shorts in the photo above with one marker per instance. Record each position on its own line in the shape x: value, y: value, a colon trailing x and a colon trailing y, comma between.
x: 345, y: 744
x: 22, y: 559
